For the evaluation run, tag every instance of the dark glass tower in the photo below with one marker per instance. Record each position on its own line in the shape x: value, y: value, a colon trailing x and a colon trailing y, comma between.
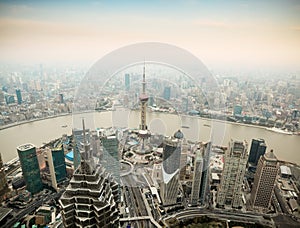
x: 59, y: 163
x: 30, y: 167
x: 19, y: 96
x: 258, y: 148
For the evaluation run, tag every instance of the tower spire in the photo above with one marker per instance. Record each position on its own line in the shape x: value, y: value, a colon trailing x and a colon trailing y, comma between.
x: 85, y: 143
x: 143, y: 133
x: 143, y: 100
x: 83, y: 128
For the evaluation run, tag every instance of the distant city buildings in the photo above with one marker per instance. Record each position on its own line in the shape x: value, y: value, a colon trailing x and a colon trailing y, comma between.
x: 167, y: 93
x: 19, y: 96
x: 127, y: 82
x: 237, y: 110
x: 230, y: 189
x: 264, y: 182
x: 30, y: 167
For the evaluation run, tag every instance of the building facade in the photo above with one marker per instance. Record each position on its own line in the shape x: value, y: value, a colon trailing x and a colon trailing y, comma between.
x: 198, y: 168
x: 230, y: 188
x: 3, y: 182
x: 111, y: 158
x: 90, y: 199
x: 257, y: 149
x: 30, y: 167
x: 204, y: 187
x: 264, y: 182
x: 19, y: 96
x: 55, y: 165
x: 170, y: 171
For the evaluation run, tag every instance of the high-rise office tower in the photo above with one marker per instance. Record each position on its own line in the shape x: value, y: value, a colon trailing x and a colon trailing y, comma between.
x: 237, y: 110
x: 111, y: 156
x: 204, y: 187
x: 258, y: 148
x: 183, y: 160
x: 198, y: 168
x: 167, y: 93
x: 171, y: 155
x: 127, y: 82
x: 90, y: 199
x: 19, y: 96
x: 61, y: 98
x: 3, y: 182
x: 264, y: 182
x: 230, y: 189
x: 30, y: 167
x: 170, y: 171
x: 55, y: 163
x: 77, y: 143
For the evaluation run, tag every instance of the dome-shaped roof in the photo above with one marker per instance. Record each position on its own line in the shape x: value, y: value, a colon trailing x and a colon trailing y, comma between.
x: 178, y: 135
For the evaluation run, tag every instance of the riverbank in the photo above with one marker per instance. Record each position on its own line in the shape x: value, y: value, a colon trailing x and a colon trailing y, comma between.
x: 199, y: 129
x: 183, y: 115
x: 30, y: 121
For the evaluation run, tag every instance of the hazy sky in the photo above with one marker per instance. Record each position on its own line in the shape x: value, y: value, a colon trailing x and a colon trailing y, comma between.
x: 241, y: 33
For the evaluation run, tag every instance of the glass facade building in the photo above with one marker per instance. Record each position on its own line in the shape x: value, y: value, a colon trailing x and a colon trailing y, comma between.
x: 30, y: 168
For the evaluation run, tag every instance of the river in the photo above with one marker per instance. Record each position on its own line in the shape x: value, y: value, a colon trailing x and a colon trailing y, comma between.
x: 286, y: 147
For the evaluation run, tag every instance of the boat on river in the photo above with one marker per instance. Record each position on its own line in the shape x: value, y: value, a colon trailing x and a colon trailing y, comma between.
x: 278, y: 130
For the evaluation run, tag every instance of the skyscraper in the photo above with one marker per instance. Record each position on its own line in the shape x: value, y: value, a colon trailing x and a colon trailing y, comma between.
x: 204, y: 187
x: 55, y: 163
x: 19, y: 96
x: 230, y: 189
x: 127, y: 82
x: 3, y: 183
x: 77, y: 141
x: 198, y: 168
x: 264, y: 182
x: 30, y: 167
x: 258, y: 148
x: 183, y: 160
x: 171, y: 155
x: 237, y: 110
x: 111, y: 156
x: 167, y: 93
x: 90, y: 199
x: 170, y: 171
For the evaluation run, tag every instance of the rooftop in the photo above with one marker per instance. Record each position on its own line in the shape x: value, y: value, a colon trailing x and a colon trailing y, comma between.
x: 25, y: 147
x: 270, y: 156
x: 285, y: 170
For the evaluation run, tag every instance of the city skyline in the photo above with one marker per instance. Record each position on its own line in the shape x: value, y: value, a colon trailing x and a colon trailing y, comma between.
x: 224, y: 35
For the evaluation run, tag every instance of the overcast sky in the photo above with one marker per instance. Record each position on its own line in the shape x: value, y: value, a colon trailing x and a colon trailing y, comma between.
x: 256, y: 33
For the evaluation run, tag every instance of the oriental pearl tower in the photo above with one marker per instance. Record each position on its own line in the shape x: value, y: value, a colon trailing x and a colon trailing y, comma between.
x: 143, y: 130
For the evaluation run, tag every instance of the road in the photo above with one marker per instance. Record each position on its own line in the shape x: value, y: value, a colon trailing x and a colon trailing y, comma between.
x: 219, y: 214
